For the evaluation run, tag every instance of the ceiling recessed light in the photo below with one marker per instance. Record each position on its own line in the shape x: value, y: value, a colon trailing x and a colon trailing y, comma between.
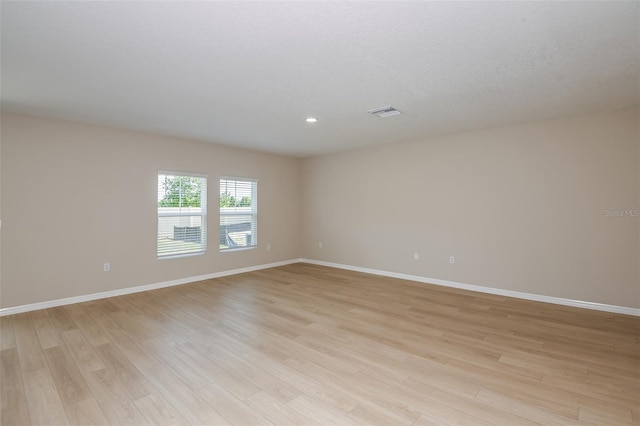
x: 311, y: 119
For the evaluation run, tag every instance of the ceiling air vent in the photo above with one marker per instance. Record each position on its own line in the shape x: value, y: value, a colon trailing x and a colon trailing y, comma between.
x: 384, y: 111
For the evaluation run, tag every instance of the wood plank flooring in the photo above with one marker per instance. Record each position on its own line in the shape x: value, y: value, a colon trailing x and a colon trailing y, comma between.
x: 307, y: 345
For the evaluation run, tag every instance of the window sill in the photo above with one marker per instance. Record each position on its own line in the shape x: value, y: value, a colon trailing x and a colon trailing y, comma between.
x: 237, y: 249
x: 176, y: 256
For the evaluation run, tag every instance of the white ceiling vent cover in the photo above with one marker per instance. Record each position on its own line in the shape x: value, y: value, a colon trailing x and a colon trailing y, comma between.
x: 384, y: 111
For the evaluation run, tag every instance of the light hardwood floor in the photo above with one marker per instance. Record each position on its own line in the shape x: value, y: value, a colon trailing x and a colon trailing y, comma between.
x: 305, y: 344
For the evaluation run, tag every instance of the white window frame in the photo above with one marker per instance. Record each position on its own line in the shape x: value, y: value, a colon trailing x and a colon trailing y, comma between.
x: 226, y: 214
x: 186, y: 247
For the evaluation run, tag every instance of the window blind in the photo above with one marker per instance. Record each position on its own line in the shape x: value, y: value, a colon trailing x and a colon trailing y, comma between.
x: 238, y: 213
x: 182, y: 214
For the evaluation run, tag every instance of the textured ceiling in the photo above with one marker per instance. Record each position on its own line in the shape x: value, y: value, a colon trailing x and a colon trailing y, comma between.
x: 248, y: 73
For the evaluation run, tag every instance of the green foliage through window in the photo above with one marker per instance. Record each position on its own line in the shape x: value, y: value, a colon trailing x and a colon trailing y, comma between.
x: 181, y: 191
x: 228, y: 200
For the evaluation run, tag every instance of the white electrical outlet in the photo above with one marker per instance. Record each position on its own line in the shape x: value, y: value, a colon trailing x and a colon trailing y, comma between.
x: 107, y: 267
x: 452, y: 259
x: 320, y: 245
x: 416, y: 256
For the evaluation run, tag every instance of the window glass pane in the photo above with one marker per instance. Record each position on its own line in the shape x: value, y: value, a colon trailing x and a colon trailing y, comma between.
x: 182, y: 212
x: 238, y: 213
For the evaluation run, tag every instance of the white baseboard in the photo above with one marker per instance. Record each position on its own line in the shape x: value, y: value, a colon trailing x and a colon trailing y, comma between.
x: 137, y: 289
x: 509, y: 293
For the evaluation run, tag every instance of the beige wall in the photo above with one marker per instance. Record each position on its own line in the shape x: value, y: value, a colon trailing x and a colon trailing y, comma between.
x: 0, y: 213
x: 521, y: 208
x: 75, y: 196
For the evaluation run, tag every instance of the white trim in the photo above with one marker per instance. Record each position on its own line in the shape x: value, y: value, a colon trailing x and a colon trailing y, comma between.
x: 177, y: 173
x: 244, y: 179
x: 501, y: 292
x: 129, y: 290
x: 234, y: 249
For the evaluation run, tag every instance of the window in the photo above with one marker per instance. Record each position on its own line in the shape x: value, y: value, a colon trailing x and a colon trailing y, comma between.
x: 182, y: 214
x: 238, y: 213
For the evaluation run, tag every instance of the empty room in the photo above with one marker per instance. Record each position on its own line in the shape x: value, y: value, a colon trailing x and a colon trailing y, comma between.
x: 320, y: 213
